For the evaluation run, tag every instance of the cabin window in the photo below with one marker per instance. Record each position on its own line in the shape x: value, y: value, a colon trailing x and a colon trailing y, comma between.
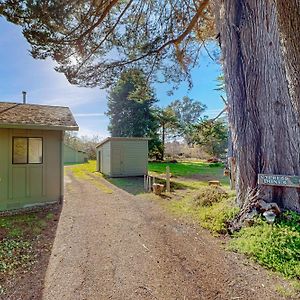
x: 27, y: 150
x: 20, y: 147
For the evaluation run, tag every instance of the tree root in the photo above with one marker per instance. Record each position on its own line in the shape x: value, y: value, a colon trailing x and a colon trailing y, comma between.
x: 247, y: 212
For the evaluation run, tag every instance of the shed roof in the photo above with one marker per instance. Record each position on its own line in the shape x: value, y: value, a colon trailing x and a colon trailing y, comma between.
x: 33, y: 116
x: 122, y: 139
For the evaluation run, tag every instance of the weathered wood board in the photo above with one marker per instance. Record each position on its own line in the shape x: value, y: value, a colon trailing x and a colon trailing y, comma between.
x: 279, y: 180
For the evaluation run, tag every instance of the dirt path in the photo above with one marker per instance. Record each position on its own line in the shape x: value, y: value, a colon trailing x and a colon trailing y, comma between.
x: 117, y: 246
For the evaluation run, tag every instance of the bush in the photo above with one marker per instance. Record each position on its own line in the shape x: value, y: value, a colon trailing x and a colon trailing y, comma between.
x: 217, y: 216
x: 208, y: 196
x: 276, y: 247
x: 213, y: 208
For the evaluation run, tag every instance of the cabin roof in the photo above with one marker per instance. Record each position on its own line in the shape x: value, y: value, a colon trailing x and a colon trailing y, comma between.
x: 34, y: 116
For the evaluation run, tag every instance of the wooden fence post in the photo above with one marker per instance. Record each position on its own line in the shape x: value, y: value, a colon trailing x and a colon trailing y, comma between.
x: 168, y: 179
x: 149, y: 183
x: 145, y: 183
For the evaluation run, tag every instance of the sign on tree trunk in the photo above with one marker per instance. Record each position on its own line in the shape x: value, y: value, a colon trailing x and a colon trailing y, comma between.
x: 279, y: 180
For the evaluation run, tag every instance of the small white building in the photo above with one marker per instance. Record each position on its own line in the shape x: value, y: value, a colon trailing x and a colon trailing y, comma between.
x: 123, y: 156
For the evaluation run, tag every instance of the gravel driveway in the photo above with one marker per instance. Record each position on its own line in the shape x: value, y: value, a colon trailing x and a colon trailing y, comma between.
x: 119, y: 246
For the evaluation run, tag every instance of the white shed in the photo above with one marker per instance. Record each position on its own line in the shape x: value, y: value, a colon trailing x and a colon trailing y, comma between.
x: 123, y: 156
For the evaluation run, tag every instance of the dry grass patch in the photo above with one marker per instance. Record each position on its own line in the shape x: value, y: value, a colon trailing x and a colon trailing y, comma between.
x: 208, y: 196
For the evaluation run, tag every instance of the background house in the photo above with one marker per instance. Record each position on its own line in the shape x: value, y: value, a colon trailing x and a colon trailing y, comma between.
x: 31, y: 153
x: 122, y: 156
x: 73, y: 156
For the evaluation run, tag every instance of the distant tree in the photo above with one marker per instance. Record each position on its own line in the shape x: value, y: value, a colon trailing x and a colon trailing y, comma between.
x: 188, y: 112
x: 156, y: 147
x: 130, y: 108
x: 167, y: 120
x: 73, y: 140
x: 90, y: 144
x: 212, y: 136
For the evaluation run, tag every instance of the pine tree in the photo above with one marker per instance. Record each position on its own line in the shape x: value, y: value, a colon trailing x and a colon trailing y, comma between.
x: 130, y: 108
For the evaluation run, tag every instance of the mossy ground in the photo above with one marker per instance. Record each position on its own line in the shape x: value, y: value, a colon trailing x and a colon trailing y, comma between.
x: 20, y: 242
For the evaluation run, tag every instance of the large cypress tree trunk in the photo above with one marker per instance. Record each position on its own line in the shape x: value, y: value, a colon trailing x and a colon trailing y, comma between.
x: 288, y: 13
x: 265, y: 131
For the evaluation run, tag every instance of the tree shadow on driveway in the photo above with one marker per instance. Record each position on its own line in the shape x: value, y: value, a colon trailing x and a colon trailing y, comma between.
x: 135, y: 185
x: 132, y: 185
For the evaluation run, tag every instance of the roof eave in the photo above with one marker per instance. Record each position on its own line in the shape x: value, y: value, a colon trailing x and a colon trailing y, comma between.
x: 42, y: 127
x: 122, y: 139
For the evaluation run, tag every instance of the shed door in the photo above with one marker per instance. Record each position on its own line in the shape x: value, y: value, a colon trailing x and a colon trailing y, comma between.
x: 117, y: 162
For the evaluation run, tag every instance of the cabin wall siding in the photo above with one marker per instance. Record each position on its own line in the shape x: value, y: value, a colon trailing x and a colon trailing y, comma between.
x: 24, y: 185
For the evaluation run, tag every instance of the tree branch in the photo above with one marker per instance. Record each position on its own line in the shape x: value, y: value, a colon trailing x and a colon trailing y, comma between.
x: 175, y: 41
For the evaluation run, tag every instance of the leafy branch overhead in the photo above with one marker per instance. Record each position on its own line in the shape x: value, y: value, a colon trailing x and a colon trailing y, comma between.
x: 93, y: 41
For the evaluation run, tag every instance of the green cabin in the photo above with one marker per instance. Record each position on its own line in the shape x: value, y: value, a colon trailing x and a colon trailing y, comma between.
x: 73, y: 156
x: 31, y: 153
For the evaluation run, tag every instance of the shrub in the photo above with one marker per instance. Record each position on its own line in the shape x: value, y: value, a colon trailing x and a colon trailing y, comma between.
x: 208, y: 196
x: 217, y: 216
x: 212, y: 207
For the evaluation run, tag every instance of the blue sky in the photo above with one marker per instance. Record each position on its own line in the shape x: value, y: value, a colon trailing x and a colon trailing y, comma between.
x: 19, y: 71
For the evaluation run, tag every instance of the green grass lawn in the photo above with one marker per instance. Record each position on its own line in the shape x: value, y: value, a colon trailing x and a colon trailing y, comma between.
x: 186, y: 175
x: 191, y: 174
x: 187, y: 168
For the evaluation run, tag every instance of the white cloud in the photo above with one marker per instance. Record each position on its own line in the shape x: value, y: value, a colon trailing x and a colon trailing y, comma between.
x: 89, y: 115
x: 52, y: 88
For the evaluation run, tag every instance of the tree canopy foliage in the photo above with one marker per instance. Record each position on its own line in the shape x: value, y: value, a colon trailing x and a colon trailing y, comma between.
x: 188, y: 112
x: 168, y: 122
x: 91, y: 38
x: 131, y: 110
x: 212, y: 136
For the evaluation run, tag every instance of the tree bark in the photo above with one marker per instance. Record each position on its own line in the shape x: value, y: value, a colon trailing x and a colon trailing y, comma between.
x: 265, y: 130
x: 288, y: 14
